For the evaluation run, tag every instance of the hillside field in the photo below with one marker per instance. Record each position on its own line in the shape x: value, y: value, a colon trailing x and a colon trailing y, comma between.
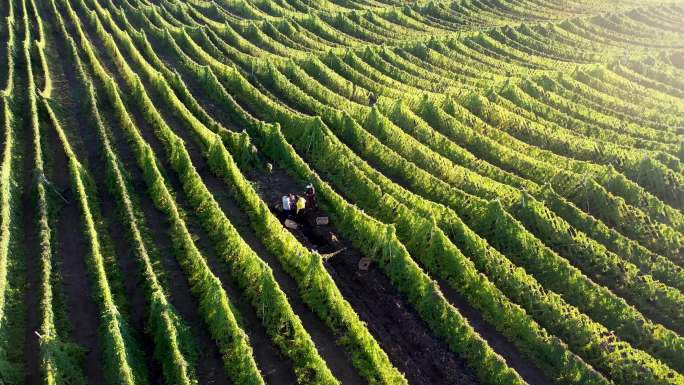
x: 482, y: 192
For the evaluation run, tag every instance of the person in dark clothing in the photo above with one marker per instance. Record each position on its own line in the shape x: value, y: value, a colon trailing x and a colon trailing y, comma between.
x: 372, y: 99
x: 311, y: 196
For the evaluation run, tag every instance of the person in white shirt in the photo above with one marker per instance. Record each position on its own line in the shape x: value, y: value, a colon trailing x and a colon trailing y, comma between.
x: 287, y: 205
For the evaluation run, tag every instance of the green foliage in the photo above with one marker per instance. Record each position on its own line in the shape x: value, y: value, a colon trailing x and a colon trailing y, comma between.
x: 474, y: 209
x: 471, y: 209
x: 166, y: 327
x: 122, y: 359
x: 447, y: 176
x: 59, y: 360
x: 253, y: 275
x: 581, y: 189
x: 379, y: 242
x: 319, y: 291
x: 214, y: 304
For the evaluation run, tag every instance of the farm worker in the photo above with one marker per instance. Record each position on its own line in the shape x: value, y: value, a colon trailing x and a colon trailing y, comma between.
x: 372, y: 99
x: 311, y: 195
x: 287, y: 204
x: 300, y: 205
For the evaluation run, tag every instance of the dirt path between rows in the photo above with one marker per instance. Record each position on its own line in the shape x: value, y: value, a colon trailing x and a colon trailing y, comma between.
x: 209, y: 365
x: 276, y: 369
x: 30, y: 243
x: 34, y: 287
x: 72, y: 251
x: 135, y: 309
x: 79, y: 127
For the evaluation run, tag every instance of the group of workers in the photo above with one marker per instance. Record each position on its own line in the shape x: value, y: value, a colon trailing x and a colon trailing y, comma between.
x: 294, y: 206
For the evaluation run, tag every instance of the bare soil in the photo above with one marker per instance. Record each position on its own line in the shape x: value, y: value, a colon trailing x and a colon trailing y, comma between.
x: 72, y: 252
x: 4, y: 34
x: 29, y: 244
x: 209, y: 363
x: 34, y: 286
